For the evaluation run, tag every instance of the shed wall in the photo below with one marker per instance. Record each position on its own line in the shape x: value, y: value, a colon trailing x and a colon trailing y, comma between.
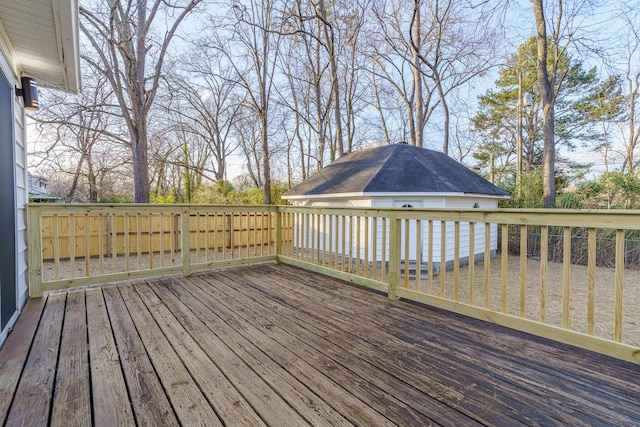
x: 356, y: 244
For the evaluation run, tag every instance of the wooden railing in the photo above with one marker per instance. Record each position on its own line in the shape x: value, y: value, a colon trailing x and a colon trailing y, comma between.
x: 473, y: 262
x: 79, y: 245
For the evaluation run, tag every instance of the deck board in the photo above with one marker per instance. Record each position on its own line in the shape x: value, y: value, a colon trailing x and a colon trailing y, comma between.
x: 35, y: 389
x: 15, y: 351
x: 71, y: 400
x: 110, y: 398
x: 149, y: 401
x: 275, y: 345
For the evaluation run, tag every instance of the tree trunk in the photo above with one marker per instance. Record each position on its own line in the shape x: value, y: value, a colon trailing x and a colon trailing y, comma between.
x: 91, y: 178
x: 548, y: 108
x: 335, y: 90
x: 418, y: 99
x: 140, y: 165
x: 266, y: 168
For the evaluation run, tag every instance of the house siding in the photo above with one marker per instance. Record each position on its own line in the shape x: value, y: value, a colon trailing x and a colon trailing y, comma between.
x: 21, y: 196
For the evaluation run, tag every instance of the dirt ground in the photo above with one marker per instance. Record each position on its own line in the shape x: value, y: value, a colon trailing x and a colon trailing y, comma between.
x: 604, y: 294
x: 604, y: 288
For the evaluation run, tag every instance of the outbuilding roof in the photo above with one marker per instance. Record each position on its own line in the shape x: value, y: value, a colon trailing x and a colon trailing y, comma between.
x: 398, y: 168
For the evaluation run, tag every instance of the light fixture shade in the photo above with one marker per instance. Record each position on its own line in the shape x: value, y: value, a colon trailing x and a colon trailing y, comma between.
x: 29, y: 93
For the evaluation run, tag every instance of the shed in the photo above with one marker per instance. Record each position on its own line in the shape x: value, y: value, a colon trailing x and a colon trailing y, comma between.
x: 405, y: 176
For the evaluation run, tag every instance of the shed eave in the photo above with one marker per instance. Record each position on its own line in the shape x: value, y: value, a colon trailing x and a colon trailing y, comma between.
x: 392, y: 194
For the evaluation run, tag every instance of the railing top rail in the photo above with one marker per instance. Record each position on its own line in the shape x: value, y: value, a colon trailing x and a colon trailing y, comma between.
x: 618, y: 219
x: 613, y: 219
x: 57, y: 208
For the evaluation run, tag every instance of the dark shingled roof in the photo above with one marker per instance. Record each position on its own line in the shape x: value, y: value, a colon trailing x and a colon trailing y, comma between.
x: 398, y: 168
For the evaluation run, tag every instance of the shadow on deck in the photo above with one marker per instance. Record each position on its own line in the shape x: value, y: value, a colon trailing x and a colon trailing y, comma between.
x: 270, y: 344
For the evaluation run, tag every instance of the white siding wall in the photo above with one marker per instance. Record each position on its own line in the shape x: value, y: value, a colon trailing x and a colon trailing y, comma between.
x: 388, y: 202
x: 22, y: 198
x: 21, y: 190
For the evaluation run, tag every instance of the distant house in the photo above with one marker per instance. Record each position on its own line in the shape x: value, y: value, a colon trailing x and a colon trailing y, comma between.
x: 38, y: 39
x: 39, y: 191
x: 404, y: 176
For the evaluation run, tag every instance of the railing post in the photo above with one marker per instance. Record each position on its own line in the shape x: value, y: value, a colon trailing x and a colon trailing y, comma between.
x: 35, y: 251
x: 186, y: 244
x: 278, y: 232
x: 395, y: 240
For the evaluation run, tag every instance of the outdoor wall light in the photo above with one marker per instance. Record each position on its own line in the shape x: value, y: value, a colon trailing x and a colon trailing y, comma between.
x: 29, y: 93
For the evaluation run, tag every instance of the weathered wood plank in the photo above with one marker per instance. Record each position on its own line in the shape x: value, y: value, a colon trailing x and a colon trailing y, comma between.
x: 269, y: 373
x: 32, y: 400
x: 71, y: 400
x: 110, y: 398
x: 348, y: 350
x: 543, y: 363
x: 220, y: 392
x: 356, y: 376
x: 150, y: 404
x: 15, y: 350
x: 188, y: 402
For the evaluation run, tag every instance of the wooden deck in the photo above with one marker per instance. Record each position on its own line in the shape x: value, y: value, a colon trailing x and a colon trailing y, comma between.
x: 273, y: 345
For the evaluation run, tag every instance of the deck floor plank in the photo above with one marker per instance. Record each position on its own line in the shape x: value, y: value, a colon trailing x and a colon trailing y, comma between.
x: 13, y: 354
x: 378, y: 398
x: 237, y: 350
x: 35, y: 391
x: 71, y: 400
x: 368, y: 363
x: 110, y: 398
x: 190, y: 406
x: 486, y: 382
x: 271, y: 344
x: 566, y: 387
x: 220, y: 392
x: 503, y: 365
x: 149, y: 401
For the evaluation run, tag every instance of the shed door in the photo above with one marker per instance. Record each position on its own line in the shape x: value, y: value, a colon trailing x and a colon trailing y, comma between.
x: 7, y: 206
x: 407, y: 204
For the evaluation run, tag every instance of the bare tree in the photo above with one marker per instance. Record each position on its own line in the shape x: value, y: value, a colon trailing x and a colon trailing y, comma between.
x: 77, y: 136
x: 131, y: 56
x: 203, y: 105
x: 252, y: 50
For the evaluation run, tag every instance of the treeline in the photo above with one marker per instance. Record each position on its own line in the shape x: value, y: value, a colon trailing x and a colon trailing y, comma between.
x: 178, y: 96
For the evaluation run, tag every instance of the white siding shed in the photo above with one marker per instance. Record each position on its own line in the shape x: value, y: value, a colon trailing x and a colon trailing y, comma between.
x: 403, y: 176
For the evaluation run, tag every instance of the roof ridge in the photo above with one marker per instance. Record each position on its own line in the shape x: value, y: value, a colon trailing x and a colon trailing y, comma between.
x: 384, y: 165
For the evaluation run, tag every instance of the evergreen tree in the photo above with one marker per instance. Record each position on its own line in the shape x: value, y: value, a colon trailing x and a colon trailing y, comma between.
x: 582, y: 104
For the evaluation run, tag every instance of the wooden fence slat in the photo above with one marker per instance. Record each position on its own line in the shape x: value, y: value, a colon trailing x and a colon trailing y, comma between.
x: 503, y: 274
x: 430, y: 259
x: 544, y: 259
x: 591, y: 280
x: 72, y: 245
x: 443, y: 256
x: 407, y: 239
x: 456, y: 261
x: 487, y: 263
x: 418, y: 253
x: 566, y: 263
x: 619, y: 272
x: 523, y: 269
x: 472, y: 262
